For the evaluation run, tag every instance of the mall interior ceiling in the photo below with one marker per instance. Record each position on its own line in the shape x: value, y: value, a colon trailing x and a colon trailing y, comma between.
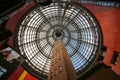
x: 101, y: 68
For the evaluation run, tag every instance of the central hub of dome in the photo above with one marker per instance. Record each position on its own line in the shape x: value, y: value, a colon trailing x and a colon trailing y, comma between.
x: 58, y: 34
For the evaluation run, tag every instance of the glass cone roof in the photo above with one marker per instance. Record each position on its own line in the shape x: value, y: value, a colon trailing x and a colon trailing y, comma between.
x: 42, y: 26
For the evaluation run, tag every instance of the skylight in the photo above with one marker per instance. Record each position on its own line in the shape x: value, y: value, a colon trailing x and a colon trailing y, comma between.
x: 42, y: 26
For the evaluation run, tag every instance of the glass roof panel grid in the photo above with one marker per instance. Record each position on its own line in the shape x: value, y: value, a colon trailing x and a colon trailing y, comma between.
x: 37, y: 34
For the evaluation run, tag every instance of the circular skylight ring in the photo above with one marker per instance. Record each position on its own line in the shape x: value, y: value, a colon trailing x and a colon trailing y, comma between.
x: 42, y: 26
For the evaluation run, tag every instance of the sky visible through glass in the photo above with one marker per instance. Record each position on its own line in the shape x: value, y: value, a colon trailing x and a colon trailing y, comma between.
x: 79, y: 33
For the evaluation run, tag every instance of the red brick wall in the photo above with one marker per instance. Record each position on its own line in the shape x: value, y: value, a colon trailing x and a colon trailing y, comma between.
x: 109, y: 19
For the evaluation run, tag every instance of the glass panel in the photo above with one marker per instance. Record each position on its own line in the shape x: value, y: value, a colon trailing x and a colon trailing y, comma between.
x: 79, y: 31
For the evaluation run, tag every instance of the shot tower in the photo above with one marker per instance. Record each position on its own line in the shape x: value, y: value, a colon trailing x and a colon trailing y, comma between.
x: 61, y: 67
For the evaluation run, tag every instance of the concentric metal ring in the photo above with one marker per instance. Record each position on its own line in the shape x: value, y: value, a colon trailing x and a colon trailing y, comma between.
x: 40, y: 27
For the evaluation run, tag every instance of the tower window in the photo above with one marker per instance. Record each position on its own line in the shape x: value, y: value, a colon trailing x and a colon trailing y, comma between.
x: 60, y: 68
x: 51, y: 77
x: 55, y: 72
x: 56, y: 60
x: 59, y: 58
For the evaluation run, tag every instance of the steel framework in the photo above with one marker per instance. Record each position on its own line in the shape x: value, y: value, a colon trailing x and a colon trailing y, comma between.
x: 42, y: 26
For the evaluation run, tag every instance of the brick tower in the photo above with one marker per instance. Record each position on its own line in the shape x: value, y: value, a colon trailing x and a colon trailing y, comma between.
x: 61, y: 67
